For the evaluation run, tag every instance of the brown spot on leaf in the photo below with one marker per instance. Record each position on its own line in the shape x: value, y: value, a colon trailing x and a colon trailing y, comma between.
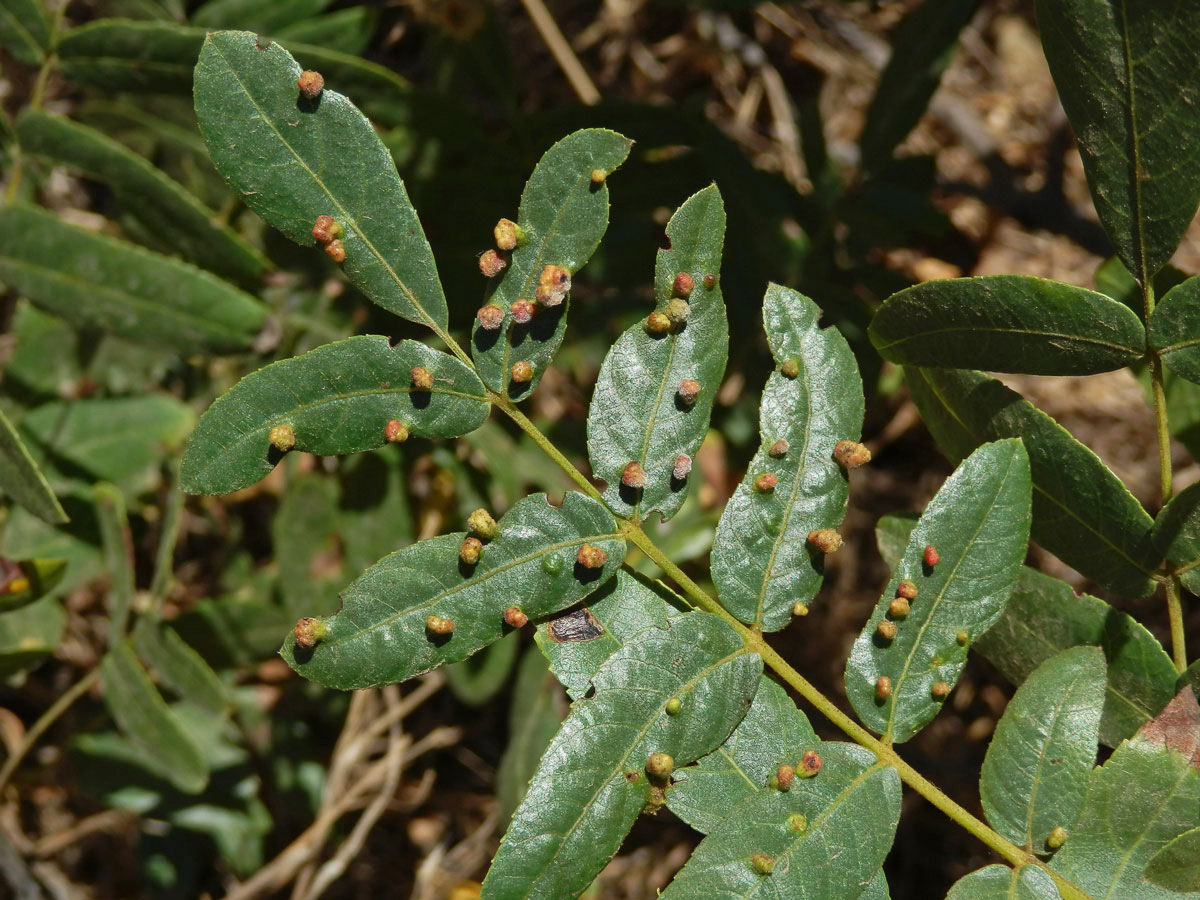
x: 1177, y: 727
x: 576, y: 625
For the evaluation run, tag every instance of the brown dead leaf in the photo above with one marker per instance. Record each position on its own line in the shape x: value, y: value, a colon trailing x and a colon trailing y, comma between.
x: 1177, y: 726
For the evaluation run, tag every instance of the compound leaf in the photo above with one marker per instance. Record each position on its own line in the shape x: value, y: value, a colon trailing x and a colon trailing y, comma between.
x: 1007, y: 323
x: 637, y: 413
x: 1128, y: 74
x: 1002, y: 883
x: 1176, y: 866
x: 1145, y: 796
x: 578, y: 641
x: 1176, y: 535
x: 773, y: 733
x: 1082, y: 513
x: 337, y: 399
x: 24, y: 30
x: 761, y: 562
x: 1045, y: 616
x: 22, y: 480
x: 164, y: 207
x: 1174, y: 329
x: 825, y: 839
x: 144, y: 717
x: 93, y: 280
x: 379, y: 635
x: 592, y: 783
x: 1035, y: 774
x: 292, y: 159
x: 132, y: 56
x: 979, y: 523
x: 563, y: 215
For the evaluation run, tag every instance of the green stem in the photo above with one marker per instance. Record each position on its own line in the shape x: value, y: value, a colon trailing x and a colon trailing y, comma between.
x: 60, y: 706
x: 754, y: 641
x: 1175, y: 614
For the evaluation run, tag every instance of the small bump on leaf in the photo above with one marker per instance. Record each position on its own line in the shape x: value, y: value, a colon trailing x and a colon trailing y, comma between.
x: 674, y: 706
x: 509, y: 235
x: 887, y: 631
x: 660, y: 765
x: 469, y: 551
x: 710, y: 281
x: 490, y: 317
x: 482, y: 523
x: 779, y: 449
x: 784, y: 776
x: 851, y: 454
x: 336, y: 251
x: 683, y: 285
x: 514, y: 618
x: 311, y: 84
x: 678, y: 312
x: 907, y: 590
x: 898, y: 608
x: 689, y: 390
x: 940, y: 690
x: 325, y: 229
x: 492, y: 263
x: 682, y: 468
x: 1057, y: 837
x: 790, y: 368
x: 522, y: 372
x: 883, y: 684
x: 554, y: 283
x: 282, y: 438
x: 766, y: 483
x: 396, y: 432
x: 309, y: 632
x: 762, y: 863
x: 931, y: 557
x: 523, y: 311
x: 422, y: 378
x: 633, y: 475
x: 599, y: 176
x: 800, y: 609
x: 591, y: 557
x: 439, y: 626
x: 827, y: 540
x: 810, y: 764
x: 657, y: 323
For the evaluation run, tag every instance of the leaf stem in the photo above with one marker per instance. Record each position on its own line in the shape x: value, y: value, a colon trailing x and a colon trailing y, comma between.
x: 755, y: 642
x: 60, y: 706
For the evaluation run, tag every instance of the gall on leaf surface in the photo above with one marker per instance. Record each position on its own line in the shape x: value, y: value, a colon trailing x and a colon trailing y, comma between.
x: 1144, y: 797
x: 563, y: 215
x: 292, y: 159
x: 1002, y: 883
x: 337, y: 399
x: 1007, y: 323
x: 1174, y: 329
x: 1128, y: 75
x: 773, y: 733
x: 591, y: 784
x: 1082, y: 513
x: 1035, y: 774
x: 827, y: 836
x: 379, y: 635
x: 96, y: 281
x: 979, y: 521
x: 761, y: 563
x: 636, y: 414
x: 578, y: 641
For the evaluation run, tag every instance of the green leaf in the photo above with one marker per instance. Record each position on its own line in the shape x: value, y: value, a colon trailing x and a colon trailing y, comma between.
x: 761, y: 562
x: 171, y: 213
x: 877, y: 889
x: 773, y: 733
x: 578, y: 641
x: 346, y: 30
x: 1113, y: 279
x: 1176, y: 535
x: 826, y: 837
x: 117, y: 544
x: 1003, y: 883
x: 1045, y: 616
x: 122, y: 440
x: 636, y: 413
x: 337, y: 399
x: 179, y: 666
x: 30, y: 634
x: 1174, y: 329
x: 1082, y: 513
x: 891, y: 536
x: 979, y: 523
x: 93, y: 280
x: 1176, y: 866
x: 1007, y: 323
x: 124, y: 55
x: 564, y: 214
x: 24, y: 581
x: 292, y: 160
x: 144, y: 717
x: 379, y: 635
x: 22, y: 480
x: 537, y: 712
x: 477, y: 680
x: 1141, y: 799
x: 1035, y: 774
x: 24, y: 30
x: 591, y: 784
x: 1128, y: 75
x: 264, y: 18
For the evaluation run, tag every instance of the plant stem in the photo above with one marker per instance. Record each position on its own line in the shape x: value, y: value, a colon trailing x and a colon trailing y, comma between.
x: 1175, y: 613
x: 60, y: 706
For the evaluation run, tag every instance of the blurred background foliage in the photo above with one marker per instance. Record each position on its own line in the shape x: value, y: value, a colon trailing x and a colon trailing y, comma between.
x: 860, y: 147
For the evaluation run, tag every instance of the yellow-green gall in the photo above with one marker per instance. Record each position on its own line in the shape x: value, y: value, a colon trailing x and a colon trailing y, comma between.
x: 799, y: 609
x: 678, y: 312
x: 469, y: 551
x: 674, y: 706
x: 657, y: 323
x: 762, y: 863
x: 591, y: 557
x: 1057, y: 837
x: 660, y: 765
x: 790, y: 368
x: 810, y: 764
x: 599, y: 176
x: 309, y: 632
x: 336, y: 251
x: 395, y: 432
x: 422, y: 378
x: 282, y: 438
x: 887, y: 630
x: 883, y: 684
x: 827, y: 540
x: 851, y: 454
x: 438, y: 625
x: 325, y: 229
x: 962, y: 637
x: 898, y: 608
x: 482, y: 523
x: 509, y: 235
x: 797, y: 822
